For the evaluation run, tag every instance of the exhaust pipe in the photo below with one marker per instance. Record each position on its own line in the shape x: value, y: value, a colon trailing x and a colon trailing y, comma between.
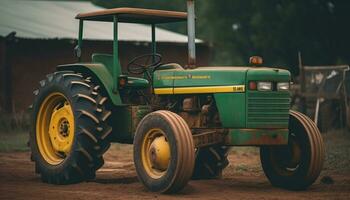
x: 191, y: 26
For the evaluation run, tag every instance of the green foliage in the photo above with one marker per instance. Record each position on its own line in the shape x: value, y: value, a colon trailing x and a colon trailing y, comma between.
x: 13, y: 141
x: 274, y: 29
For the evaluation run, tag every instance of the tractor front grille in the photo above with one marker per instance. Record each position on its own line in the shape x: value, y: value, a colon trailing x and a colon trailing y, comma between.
x: 268, y: 109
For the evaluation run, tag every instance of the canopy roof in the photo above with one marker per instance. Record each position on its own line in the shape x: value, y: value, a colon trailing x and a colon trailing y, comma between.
x: 55, y: 19
x: 134, y: 15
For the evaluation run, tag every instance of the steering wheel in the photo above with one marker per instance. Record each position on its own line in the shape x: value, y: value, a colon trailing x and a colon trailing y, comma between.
x: 140, y: 64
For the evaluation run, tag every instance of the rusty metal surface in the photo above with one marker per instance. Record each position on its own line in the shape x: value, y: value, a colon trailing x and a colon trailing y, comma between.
x: 257, y: 137
x: 209, y: 137
x: 137, y: 113
x: 190, y: 104
x: 267, y: 140
x: 193, y: 120
x: 326, y: 68
x: 191, y: 32
x: 320, y: 87
x: 191, y: 63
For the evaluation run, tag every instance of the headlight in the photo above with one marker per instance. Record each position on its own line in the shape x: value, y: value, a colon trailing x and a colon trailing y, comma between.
x: 264, y: 86
x: 284, y: 86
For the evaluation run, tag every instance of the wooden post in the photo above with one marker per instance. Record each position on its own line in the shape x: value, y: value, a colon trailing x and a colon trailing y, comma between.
x: 302, y: 84
x: 6, y: 73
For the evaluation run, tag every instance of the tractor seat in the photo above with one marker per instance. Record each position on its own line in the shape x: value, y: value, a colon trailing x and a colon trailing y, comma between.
x: 107, y: 60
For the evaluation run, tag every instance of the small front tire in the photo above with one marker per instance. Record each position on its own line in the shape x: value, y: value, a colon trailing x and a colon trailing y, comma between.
x: 297, y: 165
x: 163, y: 152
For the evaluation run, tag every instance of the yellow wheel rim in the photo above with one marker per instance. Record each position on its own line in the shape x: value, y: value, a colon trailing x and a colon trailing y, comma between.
x: 55, y: 128
x: 155, y: 153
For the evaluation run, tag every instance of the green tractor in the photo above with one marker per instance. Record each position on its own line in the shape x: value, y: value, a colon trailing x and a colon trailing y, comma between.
x: 181, y: 120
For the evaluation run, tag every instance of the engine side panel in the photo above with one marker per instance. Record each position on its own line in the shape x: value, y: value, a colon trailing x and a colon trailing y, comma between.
x: 232, y: 109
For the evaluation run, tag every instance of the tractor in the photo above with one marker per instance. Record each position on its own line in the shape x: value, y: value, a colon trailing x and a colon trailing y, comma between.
x: 182, y: 120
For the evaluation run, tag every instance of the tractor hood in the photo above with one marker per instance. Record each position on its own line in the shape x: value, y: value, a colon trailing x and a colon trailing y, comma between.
x: 217, y: 76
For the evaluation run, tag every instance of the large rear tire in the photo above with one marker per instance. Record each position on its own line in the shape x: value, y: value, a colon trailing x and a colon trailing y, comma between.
x: 210, y: 162
x: 297, y: 165
x: 163, y: 152
x: 69, y: 128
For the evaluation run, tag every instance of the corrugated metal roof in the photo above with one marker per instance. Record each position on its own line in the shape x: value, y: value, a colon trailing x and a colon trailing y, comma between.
x: 55, y: 19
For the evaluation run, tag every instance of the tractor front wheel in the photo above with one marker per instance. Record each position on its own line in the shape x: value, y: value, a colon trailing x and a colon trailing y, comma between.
x: 163, y: 152
x: 69, y: 132
x: 297, y: 165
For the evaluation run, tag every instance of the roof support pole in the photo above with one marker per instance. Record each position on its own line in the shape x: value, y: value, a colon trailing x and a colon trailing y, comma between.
x: 115, y: 54
x: 153, y: 45
x: 191, y: 26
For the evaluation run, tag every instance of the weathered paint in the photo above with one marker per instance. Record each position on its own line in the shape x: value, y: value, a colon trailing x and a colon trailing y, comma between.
x: 257, y: 137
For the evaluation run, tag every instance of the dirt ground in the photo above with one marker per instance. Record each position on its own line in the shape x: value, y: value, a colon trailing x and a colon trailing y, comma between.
x: 242, y: 179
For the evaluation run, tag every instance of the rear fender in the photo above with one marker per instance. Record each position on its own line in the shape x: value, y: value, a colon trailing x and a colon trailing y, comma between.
x: 100, y: 73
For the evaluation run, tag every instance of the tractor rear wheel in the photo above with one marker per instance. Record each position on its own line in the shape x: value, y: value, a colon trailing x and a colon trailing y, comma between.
x: 69, y: 128
x: 210, y: 162
x: 163, y: 152
x: 297, y: 165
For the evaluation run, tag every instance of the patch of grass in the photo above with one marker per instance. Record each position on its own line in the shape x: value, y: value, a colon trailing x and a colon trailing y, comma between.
x: 14, y: 132
x: 337, y: 145
x: 13, y: 141
x: 14, y: 122
x: 242, y: 167
x: 245, y: 151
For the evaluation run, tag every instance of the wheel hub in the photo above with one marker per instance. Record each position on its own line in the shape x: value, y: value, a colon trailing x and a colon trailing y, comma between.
x: 64, y: 128
x: 156, y: 153
x: 59, y: 128
x: 159, y: 153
